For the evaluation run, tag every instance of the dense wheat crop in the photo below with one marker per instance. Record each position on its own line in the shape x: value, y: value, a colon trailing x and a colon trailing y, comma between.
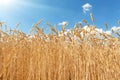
x: 78, y: 54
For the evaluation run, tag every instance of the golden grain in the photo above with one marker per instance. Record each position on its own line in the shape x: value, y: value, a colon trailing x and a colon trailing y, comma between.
x: 92, y: 17
x: 77, y: 55
x: 106, y: 25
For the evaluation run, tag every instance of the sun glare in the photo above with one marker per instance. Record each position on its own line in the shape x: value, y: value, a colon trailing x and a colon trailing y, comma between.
x: 5, y: 2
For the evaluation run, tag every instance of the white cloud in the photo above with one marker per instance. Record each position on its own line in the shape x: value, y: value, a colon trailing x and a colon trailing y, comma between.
x: 99, y: 30
x: 108, y: 32
x: 115, y: 28
x: 63, y: 23
x: 86, y: 7
x: 87, y: 28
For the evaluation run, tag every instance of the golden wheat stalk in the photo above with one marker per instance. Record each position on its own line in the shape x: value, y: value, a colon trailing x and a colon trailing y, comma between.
x: 85, y: 21
x: 106, y: 25
x: 76, y: 26
x: 119, y: 22
x: 52, y: 28
x: 92, y: 17
x: 81, y: 26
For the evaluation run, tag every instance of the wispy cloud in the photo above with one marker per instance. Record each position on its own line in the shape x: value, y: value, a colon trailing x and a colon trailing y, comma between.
x: 115, y: 28
x: 63, y: 23
x: 100, y: 30
x: 40, y: 6
x: 86, y: 7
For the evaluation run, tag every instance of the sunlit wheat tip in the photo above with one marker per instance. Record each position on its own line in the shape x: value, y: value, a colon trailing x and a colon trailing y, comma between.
x: 92, y: 17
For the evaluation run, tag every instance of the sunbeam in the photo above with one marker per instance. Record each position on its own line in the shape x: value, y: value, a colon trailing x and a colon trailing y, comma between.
x: 6, y: 2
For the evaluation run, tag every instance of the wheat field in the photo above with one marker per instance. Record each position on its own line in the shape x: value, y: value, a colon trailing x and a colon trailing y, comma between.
x: 77, y: 54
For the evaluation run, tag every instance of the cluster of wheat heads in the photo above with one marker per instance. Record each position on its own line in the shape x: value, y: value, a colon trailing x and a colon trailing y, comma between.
x: 77, y: 54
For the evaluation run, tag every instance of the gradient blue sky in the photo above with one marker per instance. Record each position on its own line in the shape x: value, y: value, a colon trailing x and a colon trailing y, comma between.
x: 28, y: 12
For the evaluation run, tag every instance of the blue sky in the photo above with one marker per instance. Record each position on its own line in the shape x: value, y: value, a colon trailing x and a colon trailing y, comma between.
x: 28, y: 12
